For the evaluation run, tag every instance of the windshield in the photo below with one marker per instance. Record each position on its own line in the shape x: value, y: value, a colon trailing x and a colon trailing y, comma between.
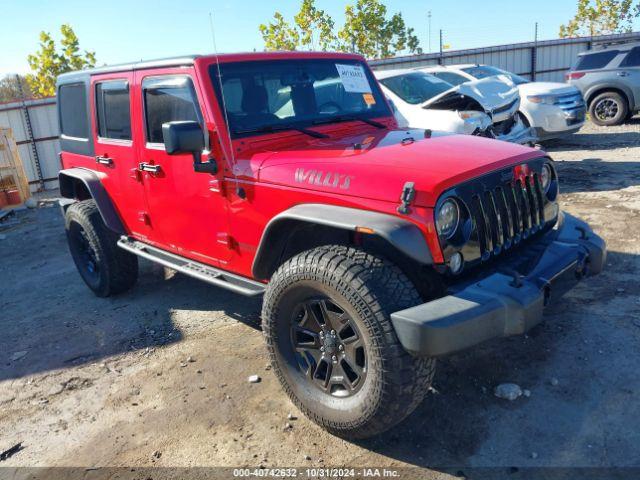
x: 416, y: 87
x: 485, y: 71
x: 267, y: 95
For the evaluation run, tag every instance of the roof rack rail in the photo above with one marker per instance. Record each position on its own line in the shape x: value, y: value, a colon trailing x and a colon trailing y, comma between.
x: 605, y: 45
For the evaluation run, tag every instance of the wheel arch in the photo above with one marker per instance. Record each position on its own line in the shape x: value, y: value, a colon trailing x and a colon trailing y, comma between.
x: 309, y: 225
x: 83, y: 184
x: 592, y: 94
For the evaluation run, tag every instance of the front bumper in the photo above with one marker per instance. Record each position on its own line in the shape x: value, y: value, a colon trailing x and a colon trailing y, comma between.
x: 503, y: 304
x: 554, y: 121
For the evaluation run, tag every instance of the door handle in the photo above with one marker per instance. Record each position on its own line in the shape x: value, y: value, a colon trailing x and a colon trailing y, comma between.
x: 104, y: 160
x: 147, y: 167
x: 623, y: 74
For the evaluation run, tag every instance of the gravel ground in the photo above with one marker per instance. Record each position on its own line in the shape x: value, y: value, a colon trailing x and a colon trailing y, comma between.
x: 158, y: 376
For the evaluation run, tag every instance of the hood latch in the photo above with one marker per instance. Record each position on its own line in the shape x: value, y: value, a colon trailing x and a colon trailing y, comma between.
x: 406, y: 197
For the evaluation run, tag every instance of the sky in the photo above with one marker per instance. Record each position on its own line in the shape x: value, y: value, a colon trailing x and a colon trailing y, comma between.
x: 128, y: 30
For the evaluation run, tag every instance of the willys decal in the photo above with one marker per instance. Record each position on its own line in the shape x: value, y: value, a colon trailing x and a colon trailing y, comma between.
x: 325, y: 179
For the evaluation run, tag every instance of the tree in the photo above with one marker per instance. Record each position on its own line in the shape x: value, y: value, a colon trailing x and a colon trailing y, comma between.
x: 14, y: 87
x: 48, y: 63
x: 366, y: 31
x: 315, y: 26
x: 279, y: 35
x: 602, y: 17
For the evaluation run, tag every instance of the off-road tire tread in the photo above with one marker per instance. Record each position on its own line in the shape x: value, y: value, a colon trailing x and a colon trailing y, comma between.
x: 377, y: 287
x: 121, y: 266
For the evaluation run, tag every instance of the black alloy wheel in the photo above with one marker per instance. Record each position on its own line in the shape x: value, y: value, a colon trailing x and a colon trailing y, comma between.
x: 85, y: 254
x: 329, y: 349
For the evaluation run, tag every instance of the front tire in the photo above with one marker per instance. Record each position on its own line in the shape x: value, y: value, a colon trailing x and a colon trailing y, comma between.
x: 104, y: 267
x: 608, y: 109
x: 326, y: 321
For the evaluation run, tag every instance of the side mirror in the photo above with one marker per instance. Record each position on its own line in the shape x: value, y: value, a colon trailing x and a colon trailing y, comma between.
x: 182, y: 137
x: 187, y: 137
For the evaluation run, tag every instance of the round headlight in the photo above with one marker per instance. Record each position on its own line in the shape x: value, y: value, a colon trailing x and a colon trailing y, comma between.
x: 447, y: 218
x: 545, y: 177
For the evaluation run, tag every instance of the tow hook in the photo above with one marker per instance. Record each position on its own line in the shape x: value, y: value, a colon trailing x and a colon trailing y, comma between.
x: 582, y: 267
x: 516, y: 278
x: 583, y: 232
x: 406, y: 197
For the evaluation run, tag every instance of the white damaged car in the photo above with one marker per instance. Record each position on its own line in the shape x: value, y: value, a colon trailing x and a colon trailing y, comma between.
x: 485, y: 107
x: 552, y: 109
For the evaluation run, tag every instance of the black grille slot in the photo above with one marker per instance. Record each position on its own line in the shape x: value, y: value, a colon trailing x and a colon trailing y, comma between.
x: 506, y: 214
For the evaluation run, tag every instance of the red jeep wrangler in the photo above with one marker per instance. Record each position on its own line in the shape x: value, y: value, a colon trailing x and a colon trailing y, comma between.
x: 284, y: 174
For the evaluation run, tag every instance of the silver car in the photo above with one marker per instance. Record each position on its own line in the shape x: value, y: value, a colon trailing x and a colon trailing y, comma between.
x: 609, y: 79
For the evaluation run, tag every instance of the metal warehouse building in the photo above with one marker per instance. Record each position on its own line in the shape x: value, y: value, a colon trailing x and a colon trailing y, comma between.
x: 35, y: 128
x: 546, y: 60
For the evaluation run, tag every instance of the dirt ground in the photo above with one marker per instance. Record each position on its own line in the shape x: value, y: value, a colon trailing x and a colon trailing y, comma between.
x: 158, y: 376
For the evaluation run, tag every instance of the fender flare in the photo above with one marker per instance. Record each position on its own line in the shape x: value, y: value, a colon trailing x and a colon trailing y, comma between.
x: 398, y: 232
x: 92, y: 181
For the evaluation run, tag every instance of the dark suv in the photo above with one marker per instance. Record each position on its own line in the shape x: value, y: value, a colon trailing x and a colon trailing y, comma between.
x: 609, y: 79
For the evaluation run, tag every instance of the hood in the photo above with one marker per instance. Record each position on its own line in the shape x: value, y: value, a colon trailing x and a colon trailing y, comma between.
x: 376, y: 165
x: 545, y: 88
x: 492, y: 93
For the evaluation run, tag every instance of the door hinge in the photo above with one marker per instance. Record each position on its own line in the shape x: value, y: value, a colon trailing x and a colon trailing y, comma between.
x: 226, y: 240
x: 144, y: 218
x: 135, y: 174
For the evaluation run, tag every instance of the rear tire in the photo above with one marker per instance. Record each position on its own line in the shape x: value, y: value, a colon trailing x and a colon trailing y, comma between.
x: 104, y: 267
x: 363, y: 382
x: 608, y: 109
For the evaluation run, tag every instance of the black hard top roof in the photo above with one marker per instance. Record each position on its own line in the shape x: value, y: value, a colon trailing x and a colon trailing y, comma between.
x: 123, y: 67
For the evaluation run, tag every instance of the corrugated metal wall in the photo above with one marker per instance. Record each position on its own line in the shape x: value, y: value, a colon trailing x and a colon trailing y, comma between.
x: 545, y: 60
x: 44, y: 124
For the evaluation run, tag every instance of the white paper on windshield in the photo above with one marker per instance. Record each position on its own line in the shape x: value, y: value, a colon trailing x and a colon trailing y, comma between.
x: 353, y: 78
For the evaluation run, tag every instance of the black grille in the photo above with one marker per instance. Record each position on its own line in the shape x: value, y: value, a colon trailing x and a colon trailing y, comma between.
x: 506, y: 214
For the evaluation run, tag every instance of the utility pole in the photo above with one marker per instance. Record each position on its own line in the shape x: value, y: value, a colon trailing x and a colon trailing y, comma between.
x: 429, y: 20
x: 534, y: 54
x: 440, y: 57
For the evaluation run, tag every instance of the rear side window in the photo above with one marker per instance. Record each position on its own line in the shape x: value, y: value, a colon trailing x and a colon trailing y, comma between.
x: 596, y: 60
x: 73, y: 110
x: 632, y: 59
x: 168, y: 99
x: 113, y: 110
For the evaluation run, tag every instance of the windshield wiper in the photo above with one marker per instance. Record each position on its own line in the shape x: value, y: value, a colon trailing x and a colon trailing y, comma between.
x: 280, y: 128
x: 349, y: 118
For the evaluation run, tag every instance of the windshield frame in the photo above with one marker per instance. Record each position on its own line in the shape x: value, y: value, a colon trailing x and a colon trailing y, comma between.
x: 382, y: 109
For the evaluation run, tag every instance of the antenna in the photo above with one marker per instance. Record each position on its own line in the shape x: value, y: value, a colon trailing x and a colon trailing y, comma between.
x: 239, y: 191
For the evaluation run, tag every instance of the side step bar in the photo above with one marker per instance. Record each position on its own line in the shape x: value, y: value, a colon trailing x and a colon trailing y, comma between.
x: 192, y: 268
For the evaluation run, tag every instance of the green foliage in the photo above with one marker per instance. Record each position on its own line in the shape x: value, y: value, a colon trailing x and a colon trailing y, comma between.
x: 366, y: 31
x: 315, y: 26
x: 602, y: 17
x: 279, y: 35
x: 10, y: 88
x: 47, y: 63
